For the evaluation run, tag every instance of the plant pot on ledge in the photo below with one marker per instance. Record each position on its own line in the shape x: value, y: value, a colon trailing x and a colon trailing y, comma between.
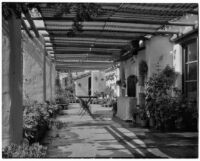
x: 144, y: 123
x: 152, y: 122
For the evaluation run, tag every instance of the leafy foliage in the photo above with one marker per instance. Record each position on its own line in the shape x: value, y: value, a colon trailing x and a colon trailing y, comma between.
x: 167, y: 111
x: 37, y: 119
x: 121, y: 83
x: 111, y: 77
x: 84, y: 11
x: 24, y: 151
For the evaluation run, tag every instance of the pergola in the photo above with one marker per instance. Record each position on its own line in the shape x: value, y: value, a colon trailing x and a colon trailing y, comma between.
x: 109, y: 37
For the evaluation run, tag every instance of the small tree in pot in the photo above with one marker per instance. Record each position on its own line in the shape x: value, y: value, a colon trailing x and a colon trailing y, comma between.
x: 158, y: 97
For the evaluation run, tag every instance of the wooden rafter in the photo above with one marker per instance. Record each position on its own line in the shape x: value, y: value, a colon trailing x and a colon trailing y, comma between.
x: 115, y: 27
x: 120, y: 20
x: 30, y: 20
x: 26, y: 28
x: 80, y: 52
x: 84, y: 45
x: 96, y: 34
x: 118, y: 30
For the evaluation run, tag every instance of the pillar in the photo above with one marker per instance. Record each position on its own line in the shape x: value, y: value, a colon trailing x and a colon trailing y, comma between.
x: 44, y: 76
x: 12, y: 85
x: 50, y: 72
x: 122, y: 78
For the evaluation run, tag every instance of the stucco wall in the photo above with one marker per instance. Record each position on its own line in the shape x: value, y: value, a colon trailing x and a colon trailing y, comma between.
x: 82, y: 89
x: 48, y: 79
x: 98, y: 82
x: 33, y: 51
x: 157, y: 49
x: 6, y: 100
x: 33, y: 71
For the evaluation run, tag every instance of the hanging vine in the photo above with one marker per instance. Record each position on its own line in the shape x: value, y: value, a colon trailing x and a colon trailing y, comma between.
x: 84, y: 11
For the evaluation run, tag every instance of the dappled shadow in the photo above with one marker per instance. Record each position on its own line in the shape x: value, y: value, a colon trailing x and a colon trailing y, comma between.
x: 174, y: 145
x: 107, y: 137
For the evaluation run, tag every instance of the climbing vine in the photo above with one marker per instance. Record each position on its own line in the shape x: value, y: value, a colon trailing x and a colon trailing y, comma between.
x: 84, y: 11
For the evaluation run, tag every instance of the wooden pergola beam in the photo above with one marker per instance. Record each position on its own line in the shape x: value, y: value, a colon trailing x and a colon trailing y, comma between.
x: 90, y: 44
x: 95, y: 36
x: 26, y: 28
x: 83, y: 45
x: 121, y: 31
x: 82, y: 61
x: 85, y: 40
x: 82, y: 66
x: 79, y: 52
x: 87, y: 48
x: 120, y: 20
x: 30, y: 21
x: 154, y: 11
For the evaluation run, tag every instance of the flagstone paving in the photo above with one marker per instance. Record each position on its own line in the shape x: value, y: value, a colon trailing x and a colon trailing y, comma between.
x: 104, y: 137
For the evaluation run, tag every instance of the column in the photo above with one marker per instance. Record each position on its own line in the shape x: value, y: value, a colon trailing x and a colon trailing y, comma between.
x: 12, y: 85
x: 122, y: 78
x: 44, y: 76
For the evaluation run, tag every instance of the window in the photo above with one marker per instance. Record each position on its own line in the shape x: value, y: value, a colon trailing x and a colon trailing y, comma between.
x: 190, y: 69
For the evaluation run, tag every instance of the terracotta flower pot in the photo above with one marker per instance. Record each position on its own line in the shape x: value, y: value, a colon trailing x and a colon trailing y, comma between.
x: 144, y: 123
x: 151, y: 122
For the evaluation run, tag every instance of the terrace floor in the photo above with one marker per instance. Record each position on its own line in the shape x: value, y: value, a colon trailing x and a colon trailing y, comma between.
x: 104, y: 137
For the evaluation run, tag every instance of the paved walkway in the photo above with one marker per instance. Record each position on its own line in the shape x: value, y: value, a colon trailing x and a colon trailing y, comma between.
x: 84, y: 137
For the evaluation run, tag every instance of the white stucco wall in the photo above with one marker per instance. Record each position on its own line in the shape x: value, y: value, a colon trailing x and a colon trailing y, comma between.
x: 33, y: 58
x: 98, y: 84
x: 157, y: 49
x: 83, y: 89
x: 33, y: 71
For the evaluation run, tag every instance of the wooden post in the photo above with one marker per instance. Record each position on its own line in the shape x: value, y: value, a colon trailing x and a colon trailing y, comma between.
x: 15, y: 81
x: 44, y: 76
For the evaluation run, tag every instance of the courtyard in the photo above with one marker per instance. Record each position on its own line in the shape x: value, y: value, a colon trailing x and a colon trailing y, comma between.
x: 100, y: 80
x: 107, y: 137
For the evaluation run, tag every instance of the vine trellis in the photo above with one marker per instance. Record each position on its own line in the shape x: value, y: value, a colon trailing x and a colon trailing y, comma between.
x: 84, y: 11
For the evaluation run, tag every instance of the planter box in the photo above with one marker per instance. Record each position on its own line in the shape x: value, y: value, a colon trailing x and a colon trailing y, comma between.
x: 126, y: 106
x: 152, y: 122
x: 144, y: 123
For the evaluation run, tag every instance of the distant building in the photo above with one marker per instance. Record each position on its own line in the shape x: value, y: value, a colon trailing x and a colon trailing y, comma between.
x: 90, y: 83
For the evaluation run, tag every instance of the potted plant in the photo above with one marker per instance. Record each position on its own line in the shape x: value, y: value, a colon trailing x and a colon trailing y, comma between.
x: 119, y: 82
x: 158, y: 98
x: 143, y: 117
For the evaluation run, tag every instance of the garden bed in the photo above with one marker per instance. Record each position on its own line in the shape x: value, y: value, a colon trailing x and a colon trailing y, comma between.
x: 37, y: 120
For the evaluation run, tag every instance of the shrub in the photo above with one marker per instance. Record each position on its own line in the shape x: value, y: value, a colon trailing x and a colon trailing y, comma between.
x: 37, y: 120
x: 24, y: 151
x: 169, y: 112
